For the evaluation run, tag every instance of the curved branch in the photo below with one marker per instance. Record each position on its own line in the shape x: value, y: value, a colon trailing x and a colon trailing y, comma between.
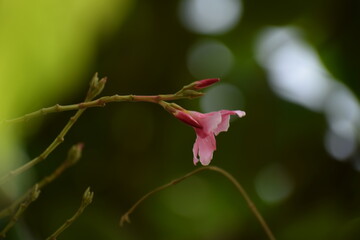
x: 264, y: 225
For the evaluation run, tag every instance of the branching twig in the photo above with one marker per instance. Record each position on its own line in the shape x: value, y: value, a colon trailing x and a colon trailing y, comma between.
x: 125, y: 217
x: 31, y: 197
x: 73, y: 157
x: 96, y: 86
x: 101, y: 102
x: 86, y: 200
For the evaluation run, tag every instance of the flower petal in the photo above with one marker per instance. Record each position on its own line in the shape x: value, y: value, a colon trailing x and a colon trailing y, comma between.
x: 228, y: 112
x: 224, y: 125
x: 207, y: 146
x: 209, y: 121
x: 187, y: 118
x: 239, y: 113
x: 196, y: 151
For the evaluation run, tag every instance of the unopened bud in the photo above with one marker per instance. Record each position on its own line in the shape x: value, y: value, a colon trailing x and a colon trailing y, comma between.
x: 74, y: 153
x: 205, y: 83
x: 96, y: 86
x: 87, y: 197
x: 180, y: 113
x: 190, y: 90
x: 187, y: 118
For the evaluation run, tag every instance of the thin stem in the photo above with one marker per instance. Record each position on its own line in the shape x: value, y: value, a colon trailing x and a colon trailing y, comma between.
x: 73, y: 157
x: 96, y: 86
x: 94, y: 90
x: 125, y: 217
x: 32, y: 196
x: 86, y: 200
x: 100, y: 102
x: 56, y: 142
x: 250, y: 203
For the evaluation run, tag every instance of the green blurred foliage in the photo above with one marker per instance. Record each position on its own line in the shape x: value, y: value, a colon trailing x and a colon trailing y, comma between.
x: 45, y: 48
x: 52, y: 50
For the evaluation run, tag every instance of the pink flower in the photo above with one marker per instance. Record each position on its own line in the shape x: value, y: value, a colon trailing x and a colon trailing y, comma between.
x: 206, y: 126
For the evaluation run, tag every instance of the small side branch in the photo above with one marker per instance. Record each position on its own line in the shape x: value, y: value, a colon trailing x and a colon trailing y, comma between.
x: 95, y: 88
x: 86, y: 200
x: 250, y: 203
x: 100, y: 102
x: 73, y: 157
x: 32, y: 196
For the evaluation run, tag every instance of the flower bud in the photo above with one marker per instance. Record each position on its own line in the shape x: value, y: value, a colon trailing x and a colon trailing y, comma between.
x: 205, y: 83
x: 180, y: 113
x: 187, y: 118
x: 74, y: 153
x: 199, y: 85
x: 96, y: 86
x: 87, y: 197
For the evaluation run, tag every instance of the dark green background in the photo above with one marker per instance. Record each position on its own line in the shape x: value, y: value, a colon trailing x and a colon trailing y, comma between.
x: 131, y: 148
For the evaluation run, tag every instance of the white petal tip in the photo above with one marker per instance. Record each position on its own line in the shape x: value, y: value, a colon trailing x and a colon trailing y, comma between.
x: 240, y: 113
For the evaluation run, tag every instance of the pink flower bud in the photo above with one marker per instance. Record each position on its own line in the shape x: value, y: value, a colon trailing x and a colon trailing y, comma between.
x: 186, y: 118
x: 205, y: 83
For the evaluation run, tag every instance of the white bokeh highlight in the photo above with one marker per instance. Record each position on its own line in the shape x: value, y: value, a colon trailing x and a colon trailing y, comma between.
x: 210, y: 16
x: 296, y: 73
x: 222, y: 96
x: 209, y: 59
x: 273, y: 184
x: 340, y: 146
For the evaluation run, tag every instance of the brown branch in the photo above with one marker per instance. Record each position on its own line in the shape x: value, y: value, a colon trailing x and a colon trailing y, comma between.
x: 250, y: 203
x: 86, y: 200
x: 73, y: 157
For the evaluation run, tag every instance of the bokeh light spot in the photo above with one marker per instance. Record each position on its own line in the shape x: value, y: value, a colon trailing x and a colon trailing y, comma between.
x: 210, y: 16
x: 339, y: 146
x: 295, y: 71
x: 273, y: 184
x: 342, y: 111
x: 209, y: 59
x: 297, y: 74
x: 222, y: 96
